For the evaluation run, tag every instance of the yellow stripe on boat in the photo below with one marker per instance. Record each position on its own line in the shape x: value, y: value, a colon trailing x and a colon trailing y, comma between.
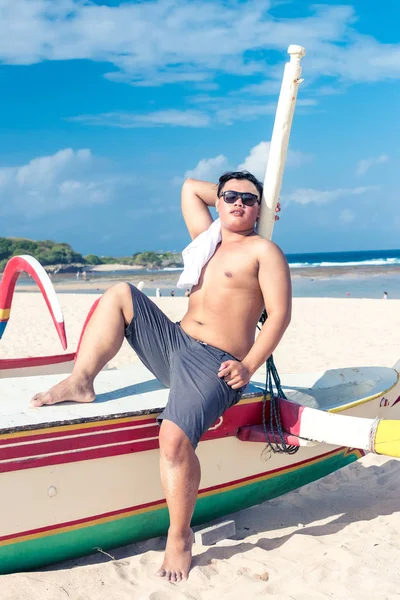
x: 387, y: 438
x: 366, y: 399
x: 4, y: 313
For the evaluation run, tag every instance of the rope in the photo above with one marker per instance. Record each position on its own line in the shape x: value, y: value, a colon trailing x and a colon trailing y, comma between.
x: 275, y: 431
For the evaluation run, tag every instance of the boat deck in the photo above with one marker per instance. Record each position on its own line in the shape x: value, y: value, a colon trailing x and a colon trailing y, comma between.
x: 335, y: 388
x: 132, y: 390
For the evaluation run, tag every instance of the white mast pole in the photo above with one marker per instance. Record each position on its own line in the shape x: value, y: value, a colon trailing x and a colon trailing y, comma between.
x: 280, y: 140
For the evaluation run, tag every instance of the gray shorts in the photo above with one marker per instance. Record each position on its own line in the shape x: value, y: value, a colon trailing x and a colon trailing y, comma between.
x: 197, y: 396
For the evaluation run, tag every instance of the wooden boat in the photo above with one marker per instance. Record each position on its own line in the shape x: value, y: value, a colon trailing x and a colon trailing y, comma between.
x: 77, y: 477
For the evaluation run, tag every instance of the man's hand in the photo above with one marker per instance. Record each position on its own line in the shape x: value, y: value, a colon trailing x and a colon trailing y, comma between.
x: 235, y: 373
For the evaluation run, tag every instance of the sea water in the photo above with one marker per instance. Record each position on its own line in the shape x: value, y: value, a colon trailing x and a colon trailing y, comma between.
x: 343, y: 259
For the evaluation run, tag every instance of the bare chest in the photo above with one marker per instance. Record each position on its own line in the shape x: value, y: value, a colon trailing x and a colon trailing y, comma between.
x: 230, y: 269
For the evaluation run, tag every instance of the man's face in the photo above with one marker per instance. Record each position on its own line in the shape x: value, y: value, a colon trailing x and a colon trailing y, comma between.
x: 237, y: 216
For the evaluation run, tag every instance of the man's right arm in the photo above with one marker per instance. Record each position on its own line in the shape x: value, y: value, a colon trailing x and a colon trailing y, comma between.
x: 197, y: 196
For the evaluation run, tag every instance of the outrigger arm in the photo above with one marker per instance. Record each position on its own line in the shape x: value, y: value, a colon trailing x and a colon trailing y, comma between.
x: 17, y: 265
x: 305, y: 426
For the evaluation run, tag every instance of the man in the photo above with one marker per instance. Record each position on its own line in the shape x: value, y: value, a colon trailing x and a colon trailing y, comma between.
x: 209, y: 356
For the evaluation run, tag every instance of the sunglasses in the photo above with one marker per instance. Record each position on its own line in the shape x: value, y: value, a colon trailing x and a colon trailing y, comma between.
x: 248, y: 199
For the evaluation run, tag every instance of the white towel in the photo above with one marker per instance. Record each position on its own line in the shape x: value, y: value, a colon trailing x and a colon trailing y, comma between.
x: 198, y: 253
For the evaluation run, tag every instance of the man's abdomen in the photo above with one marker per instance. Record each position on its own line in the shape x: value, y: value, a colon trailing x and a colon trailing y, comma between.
x: 227, y: 323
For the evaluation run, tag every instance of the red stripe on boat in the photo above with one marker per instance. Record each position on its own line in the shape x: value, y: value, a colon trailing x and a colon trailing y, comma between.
x: 81, y: 446
x: 69, y: 430
x: 35, y: 361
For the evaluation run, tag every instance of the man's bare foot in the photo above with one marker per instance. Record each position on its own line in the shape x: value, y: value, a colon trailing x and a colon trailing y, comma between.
x: 178, y: 556
x: 72, y: 388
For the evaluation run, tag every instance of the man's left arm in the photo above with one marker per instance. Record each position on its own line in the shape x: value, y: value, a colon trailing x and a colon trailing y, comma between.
x: 275, y: 284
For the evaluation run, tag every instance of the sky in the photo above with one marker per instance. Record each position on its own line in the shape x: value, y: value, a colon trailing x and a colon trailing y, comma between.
x: 106, y: 107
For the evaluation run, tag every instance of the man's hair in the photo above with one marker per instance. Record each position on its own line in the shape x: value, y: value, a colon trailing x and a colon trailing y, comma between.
x: 225, y: 177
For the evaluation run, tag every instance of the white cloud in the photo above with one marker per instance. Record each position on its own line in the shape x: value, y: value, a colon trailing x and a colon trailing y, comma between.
x: 182, y: 118
x: 43, y: 171
x: 364, y: 165
x: 209, y: 169
x: 48, y: 184
x: 229, y: 110
x: 220, y: 110
x: 165, y: 41
x: 256, y: 161
x: 308, y: 195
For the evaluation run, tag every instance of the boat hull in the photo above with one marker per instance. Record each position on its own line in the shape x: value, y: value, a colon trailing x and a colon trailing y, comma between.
x: 75, y: 478
x: 35, y: 548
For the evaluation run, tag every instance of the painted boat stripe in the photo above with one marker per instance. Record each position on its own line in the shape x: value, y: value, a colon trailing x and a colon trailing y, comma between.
x: 256, y: 400
x: 84, y: 455
x: 35, y: 361
x: 4, y: 314
x: 64, y: 527
x: 45, y: 531
x: 79, y: 450
x: 76, y: 426
x: 282, y: 470
x: 42, y: 440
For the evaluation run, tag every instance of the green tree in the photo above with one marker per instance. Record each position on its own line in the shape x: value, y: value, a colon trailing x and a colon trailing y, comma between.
x: 148, y: 259
x: 5, y: 248
x: 92, y: 259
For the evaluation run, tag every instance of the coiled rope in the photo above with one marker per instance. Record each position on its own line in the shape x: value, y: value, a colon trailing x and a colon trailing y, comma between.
x: 273, y: 431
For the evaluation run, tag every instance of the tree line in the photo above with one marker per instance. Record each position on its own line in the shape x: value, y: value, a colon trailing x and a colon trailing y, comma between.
x: 52, y: 253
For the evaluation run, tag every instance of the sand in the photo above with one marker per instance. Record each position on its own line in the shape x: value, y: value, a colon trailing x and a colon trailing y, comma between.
x: 116, y: 267
x: 335, y: 538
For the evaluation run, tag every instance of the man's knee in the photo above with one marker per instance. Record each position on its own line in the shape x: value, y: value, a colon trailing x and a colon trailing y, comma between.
x: 121, y: 294
x: 174, y: 443
x: 121, y: 290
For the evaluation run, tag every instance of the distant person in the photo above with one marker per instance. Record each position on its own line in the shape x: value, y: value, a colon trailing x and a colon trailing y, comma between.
x: 385, y: 296
x: 187, y: 293
x: 172, y: 293
x: 78, y: 274
x: 84, y: 274
x: 158, y: 293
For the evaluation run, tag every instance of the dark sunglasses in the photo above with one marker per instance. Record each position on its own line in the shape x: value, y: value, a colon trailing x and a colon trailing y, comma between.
x: 248, y: 199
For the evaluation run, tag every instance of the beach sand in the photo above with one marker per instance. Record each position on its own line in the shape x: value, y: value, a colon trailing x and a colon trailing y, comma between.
x: 335, y: 538
x: 116, y: 267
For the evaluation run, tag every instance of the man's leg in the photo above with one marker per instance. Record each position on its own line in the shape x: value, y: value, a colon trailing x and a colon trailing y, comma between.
x: 180, y: 478
x: 102, y: 339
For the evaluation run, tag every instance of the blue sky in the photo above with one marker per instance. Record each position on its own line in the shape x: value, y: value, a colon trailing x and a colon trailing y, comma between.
x: 107, y: 106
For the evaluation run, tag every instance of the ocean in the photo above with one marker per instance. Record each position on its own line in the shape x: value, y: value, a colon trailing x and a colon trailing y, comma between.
x: 343, y: 259
x: 357, y: 274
